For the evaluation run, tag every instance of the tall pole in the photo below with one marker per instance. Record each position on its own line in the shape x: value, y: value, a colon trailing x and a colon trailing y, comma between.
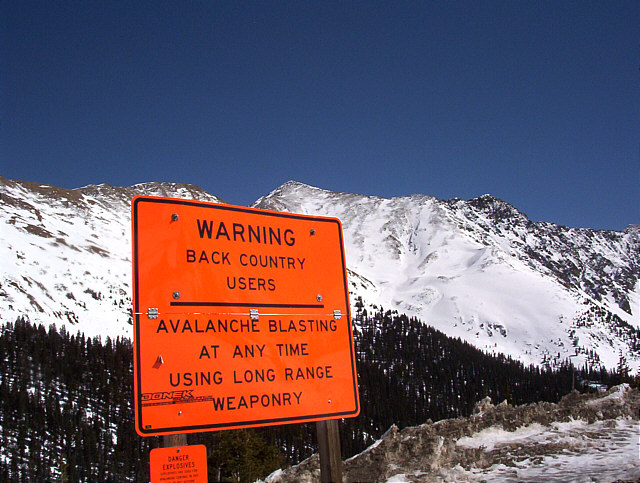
x: 329, y: 449
x: 573, y: 372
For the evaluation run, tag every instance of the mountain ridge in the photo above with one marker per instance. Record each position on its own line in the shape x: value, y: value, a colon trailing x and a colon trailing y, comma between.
x: 594, y: 268
x: 477, y: 269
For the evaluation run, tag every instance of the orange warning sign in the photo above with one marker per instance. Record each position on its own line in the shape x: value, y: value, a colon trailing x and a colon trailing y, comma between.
x: 241, y: 318
x: 179, y: 464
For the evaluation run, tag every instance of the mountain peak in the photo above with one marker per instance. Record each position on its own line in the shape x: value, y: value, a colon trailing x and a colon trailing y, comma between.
x: 497, y: 209
x: 292, y: 186
x: 633, y: 230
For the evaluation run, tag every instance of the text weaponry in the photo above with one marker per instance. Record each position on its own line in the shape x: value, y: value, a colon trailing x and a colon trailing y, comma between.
x: 222, y: 370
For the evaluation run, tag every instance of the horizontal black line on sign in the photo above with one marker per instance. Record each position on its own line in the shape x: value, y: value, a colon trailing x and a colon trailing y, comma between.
x: 236, y: 304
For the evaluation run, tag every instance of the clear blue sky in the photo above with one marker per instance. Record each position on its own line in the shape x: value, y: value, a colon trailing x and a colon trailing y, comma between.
x: 537, y: 103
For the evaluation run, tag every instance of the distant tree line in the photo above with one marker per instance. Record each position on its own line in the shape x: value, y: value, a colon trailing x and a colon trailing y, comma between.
x: 66, y: 401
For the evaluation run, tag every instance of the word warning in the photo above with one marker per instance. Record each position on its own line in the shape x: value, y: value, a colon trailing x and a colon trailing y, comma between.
x: 241, y: 318
x: 179, y: 464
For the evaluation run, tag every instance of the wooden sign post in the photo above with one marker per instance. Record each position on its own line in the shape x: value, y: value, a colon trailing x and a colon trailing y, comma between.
x: 170, y: 440
x: 329, y: 448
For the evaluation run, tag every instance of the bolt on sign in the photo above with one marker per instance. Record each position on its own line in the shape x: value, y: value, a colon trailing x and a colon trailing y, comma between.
x: 241, y: 318
x: 179, y: 464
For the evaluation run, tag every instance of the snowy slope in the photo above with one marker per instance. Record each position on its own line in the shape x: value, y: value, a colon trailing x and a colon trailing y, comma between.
x: 482, y: 271
x: 477, y: 269
x: 65, y: 255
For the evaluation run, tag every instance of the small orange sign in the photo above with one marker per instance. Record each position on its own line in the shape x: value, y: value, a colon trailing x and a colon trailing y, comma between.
x: 241, y: 318
x: 179, y: 464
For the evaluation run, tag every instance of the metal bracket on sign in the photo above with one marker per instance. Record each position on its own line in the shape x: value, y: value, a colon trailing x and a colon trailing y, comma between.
x: 152, y: 313
x: 337, y: 314
x: 253, y: 313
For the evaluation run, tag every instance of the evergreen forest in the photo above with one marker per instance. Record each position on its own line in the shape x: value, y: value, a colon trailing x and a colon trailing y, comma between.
x: 66, y: 401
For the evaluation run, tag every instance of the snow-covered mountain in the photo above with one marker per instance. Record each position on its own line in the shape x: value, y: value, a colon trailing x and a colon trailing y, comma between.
x: 476, y: 269
x: 482, y: 271
x: 65, y: 255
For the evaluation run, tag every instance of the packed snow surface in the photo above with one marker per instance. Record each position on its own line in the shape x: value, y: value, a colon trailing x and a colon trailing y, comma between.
x: 601, y: 451
x: 584, y: 438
